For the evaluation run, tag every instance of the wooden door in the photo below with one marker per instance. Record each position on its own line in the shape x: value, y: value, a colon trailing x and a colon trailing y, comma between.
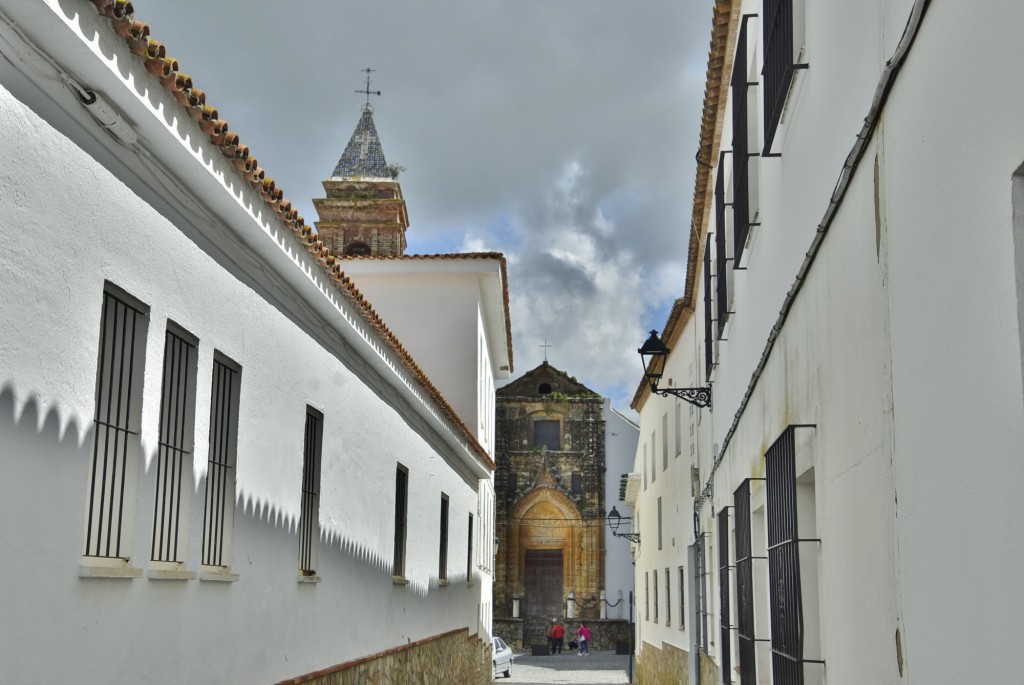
x: 544, y: 583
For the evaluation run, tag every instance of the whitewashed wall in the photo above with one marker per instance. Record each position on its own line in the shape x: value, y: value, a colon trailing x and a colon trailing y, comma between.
x: 620, y: 441
x: 70, y: 223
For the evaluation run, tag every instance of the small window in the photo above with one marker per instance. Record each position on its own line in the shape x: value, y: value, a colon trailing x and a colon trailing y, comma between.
x: 309, y: 518
x: 442, y: 572
x: 220, y: 473
x: 645, y: 466
x: 401, y: 520
x: 664, y: 441
x: 357, y: 248
x: 577, y: 483
x: 116, y: 423
x: 654, y: 458
x: 655, y: 596
x: 668, y: 598
x: 679, y: 428
x: 544, y: 389
x: 513, y: 482
x: 469, y: 551
x: 659, y: 523
x: 681, y: 591
x: 174, y: 449
x: 547, y: 433
x: 647, y: 596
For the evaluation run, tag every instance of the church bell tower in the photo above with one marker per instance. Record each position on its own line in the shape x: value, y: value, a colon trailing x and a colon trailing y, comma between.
x: 364, y: 213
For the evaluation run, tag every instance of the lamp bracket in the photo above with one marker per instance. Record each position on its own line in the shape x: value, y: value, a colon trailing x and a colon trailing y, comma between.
x: 698, y: 397
x: 632, y: 537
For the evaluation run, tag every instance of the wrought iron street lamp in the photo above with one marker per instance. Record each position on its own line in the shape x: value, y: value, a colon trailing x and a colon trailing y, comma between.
x: 614, y: 521
x: 651, y: 351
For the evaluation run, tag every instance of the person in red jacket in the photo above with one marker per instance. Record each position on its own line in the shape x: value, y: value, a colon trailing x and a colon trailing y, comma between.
x: 557, y: 636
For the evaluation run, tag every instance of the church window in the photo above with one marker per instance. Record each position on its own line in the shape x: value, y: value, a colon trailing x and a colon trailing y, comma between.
x: 544, y: 389
x: 309, y: 516
x: 577, y: 483
x: 116, y: 425
x: 547, y: 433
x: 358, y: 248
x: 401, y: 520
x: 220, y: 474
x: 442, y: 572
x: 174, y: 447
x: 513, y: 482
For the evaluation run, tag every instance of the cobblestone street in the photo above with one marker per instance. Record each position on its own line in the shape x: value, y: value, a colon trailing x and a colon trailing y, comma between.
x: 599, y: 668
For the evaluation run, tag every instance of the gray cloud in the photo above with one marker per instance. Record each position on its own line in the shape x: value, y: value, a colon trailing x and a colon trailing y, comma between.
x: 561, y: 132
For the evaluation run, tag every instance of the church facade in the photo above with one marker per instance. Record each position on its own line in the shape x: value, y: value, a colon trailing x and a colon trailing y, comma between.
x: 550, y: 501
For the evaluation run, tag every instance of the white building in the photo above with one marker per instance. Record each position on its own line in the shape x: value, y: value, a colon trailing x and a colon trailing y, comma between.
x: 221, y: 465
x: 621, y: 436
x: 854, y: 301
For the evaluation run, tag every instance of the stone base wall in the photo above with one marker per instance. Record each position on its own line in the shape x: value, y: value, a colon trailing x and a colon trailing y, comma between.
x: 666, y: 666
x: 452, y: 657
x: 510, y: 630
x: 708, y: 670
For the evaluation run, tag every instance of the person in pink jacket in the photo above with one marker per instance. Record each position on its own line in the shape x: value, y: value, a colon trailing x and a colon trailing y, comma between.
x: 583, y: 635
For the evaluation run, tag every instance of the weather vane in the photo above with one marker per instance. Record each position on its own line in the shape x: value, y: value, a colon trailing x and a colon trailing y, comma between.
x: 545, y: 346
x: 367, y: 90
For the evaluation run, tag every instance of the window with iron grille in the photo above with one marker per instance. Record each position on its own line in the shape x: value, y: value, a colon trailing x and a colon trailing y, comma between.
x: 469, y: 551
x: 679, y: 427
x: 744, y: 586
x: 654, y: 458
x: 647, y: 596
x: 174, y: 448
x: 309, y: 517
x: 401, y: 519
x: 655, y: 596
x: 442, y: 555
x: 659, y: 523
x: 725, y: 653
x: 740, y: 145
x: 218, y: 523
x: 113, y: 468
x: 778, y: 30
x: 577, y: 483
x: 513, y: 482
x: 709, y: 332
x: 664, y: 441
x: 787, y: 610
x: 721, y: 246
x: 668, y: 598
x: 700, y: 577
x: 682, y: 597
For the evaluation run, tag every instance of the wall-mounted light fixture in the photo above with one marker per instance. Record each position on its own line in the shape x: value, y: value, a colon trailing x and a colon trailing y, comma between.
x: 614, y: 521
x: 653, y: 349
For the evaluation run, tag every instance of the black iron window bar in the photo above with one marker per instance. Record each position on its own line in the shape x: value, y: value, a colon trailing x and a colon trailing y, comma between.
x: 779, y: 67
x: 784, y: 563
x: 741, y: 146
x: 745, y: 633
x: 709, y: 339
x: 702, y: 594
x: 721, y: 257
x: 652, y: 355
x: 115, y: 388
x: 723, y: 595
x: 220, y: 475
x: 173, y: 449
x: 309, y: 518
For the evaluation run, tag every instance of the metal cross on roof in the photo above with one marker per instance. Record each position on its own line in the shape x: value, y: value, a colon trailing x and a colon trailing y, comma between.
x: 545, y: 346
x: 367, y: 90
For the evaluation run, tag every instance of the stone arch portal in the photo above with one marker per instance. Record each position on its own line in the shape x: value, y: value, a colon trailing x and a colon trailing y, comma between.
x: 549, y: 552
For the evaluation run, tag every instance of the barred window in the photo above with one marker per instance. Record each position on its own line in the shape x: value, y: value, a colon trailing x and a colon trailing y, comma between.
x: 469, y: 551
x: 659, y: 523
x: 722, y: 271
x: 744, y: 586
x: 654, y: 458
x: 174, y: 449
x: 725, y: 613
x: 700, y: 578
x: 220, y: 475
x: 655, y: 596
x: 647, y: 596
x: 309, y: 518
x: 664, y: 441
x: 682, y: 597
x: 668, y: 598
x: 401, y: 519
x: 113, y: 470
x: 709, y: 332
x: 779, y: 29
x: 442, y: 556
x: 741, y: 195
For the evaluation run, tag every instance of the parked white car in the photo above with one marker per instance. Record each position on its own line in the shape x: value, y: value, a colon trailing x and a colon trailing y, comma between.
x: 501, y: 658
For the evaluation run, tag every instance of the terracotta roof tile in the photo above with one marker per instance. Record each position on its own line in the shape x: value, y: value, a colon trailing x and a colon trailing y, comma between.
x: 137, y: 36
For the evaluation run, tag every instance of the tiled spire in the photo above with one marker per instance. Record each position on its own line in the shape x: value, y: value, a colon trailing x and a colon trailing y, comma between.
x: 363, y: 158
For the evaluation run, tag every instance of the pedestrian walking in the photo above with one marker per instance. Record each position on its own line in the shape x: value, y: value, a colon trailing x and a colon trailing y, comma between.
x: 583, y: 635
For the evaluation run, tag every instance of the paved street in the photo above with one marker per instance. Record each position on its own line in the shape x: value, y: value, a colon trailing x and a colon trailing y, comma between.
x: 600, y: 668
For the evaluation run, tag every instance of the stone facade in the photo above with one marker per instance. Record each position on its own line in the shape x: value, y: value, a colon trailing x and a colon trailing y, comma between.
x: 550, y: 506
x: 360, y: 217
x: 453, y: 657
x: 668, y: 665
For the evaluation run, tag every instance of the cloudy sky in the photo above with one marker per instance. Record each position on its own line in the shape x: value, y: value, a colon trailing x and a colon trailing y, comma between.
x: 559, y: 132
